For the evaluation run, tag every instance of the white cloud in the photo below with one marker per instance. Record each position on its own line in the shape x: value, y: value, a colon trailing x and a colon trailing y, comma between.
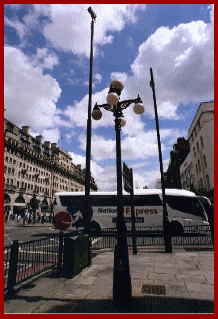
x: 71, y: 24
x: 30, y: 97
x: 182, y: 60
x: 53, y: 135
x: 44, y: 59
x: 143, y: 146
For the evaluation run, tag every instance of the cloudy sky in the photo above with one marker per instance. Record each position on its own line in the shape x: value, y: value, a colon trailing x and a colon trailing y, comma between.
x: 46, y: 60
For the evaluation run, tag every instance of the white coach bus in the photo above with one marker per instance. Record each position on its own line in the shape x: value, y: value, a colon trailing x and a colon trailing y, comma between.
x: 183, y: 207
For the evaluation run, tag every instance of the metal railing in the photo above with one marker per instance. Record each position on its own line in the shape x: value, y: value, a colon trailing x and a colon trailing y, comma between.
x: 25, y: 260
x: 153, y: 236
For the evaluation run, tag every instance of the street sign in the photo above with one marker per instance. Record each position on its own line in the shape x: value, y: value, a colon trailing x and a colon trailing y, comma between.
x: 127, y: 178
x: 62, y: 220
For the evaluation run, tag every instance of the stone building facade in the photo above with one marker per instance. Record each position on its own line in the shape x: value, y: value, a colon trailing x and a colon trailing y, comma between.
x: 201, y: 158
x: 33, y: 167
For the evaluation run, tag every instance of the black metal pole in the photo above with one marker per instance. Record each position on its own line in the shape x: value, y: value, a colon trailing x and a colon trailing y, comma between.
x: 167, y: 238
x: 87, y: 207
x: 133, y: 216
x: 60, y: 253
x: 122, y: 289
x: 12, y: 273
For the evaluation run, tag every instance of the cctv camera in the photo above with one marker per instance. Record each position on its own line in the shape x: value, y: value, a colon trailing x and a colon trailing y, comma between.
x: 93, y: 15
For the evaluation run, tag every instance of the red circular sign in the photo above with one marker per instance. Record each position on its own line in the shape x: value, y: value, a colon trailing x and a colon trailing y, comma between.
x: 62, y: 220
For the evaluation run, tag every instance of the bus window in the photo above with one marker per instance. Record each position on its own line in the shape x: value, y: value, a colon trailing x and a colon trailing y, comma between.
x: 143, y: 200
x: 187, y: 205
x: 104, y: 200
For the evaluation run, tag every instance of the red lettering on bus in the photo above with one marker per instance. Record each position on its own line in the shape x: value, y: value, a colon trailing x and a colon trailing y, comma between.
x: 127, y: 210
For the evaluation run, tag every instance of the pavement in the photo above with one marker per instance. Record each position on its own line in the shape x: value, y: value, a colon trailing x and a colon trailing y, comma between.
x: 181, y: 282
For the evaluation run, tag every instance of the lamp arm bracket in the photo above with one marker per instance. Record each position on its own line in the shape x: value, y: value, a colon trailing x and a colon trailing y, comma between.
x: 120, y: 105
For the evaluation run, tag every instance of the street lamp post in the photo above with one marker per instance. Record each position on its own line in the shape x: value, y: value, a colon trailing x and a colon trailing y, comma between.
x: 122, y: 290
x: 89, y: 129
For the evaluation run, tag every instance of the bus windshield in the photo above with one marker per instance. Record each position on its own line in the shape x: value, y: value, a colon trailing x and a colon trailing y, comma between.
x: 188, y: 205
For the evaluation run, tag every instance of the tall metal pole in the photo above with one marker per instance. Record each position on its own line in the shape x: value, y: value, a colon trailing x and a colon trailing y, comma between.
x: 122, y: 289
x: 167, y: 238
x: 133, y: 216
x: 87, y: 207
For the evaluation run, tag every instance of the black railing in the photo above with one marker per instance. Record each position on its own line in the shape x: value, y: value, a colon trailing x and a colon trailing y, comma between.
x: 153, y: 236
x: 25, y: 260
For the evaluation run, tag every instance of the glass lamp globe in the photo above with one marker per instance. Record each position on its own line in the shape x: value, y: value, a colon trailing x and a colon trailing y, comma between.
x: 96, y: 114
x: 122, y: 121
x: 112, y: 98
x: 138, y: 108
x: 117, y: 84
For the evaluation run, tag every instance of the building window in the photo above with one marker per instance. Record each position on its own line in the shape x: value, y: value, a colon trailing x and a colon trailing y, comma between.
x: 201, y: 183
x: 199, y: 166
x: 197, y: 147
x: 194, y: 151
x: 202, y: 142
x: 205, y: 161
x: 5, y: 169
x: 208, y: 181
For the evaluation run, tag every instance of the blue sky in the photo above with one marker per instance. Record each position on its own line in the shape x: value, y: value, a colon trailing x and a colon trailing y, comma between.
x: 47, y: 56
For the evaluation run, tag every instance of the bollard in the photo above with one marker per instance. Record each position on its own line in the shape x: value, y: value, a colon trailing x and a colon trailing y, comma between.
x: 12, y: 273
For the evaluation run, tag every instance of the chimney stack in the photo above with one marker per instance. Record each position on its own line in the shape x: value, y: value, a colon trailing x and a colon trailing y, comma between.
x: 25, y: 129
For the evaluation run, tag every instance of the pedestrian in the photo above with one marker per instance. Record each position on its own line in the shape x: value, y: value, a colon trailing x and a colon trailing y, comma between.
x: 18, y: 218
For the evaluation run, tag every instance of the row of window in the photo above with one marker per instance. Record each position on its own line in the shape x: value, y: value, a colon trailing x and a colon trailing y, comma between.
x: 190, y: 182
x: 10, y: 171
x: 207, y: 183
x: 33, y: 169
x: 195, y: 132
x: 24, y: 165
x: 37, y: 189
x: 198, y: 165
x: 196, y: 150
x: 10, y: 160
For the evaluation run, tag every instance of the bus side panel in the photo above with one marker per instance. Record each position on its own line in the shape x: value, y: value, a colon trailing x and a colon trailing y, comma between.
x: 106, y: 216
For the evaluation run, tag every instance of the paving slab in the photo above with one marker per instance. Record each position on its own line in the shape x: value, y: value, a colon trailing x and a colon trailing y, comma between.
x: 188, y: 286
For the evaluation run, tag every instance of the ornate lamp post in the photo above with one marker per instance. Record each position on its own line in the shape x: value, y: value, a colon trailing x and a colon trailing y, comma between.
x: 122, y: 291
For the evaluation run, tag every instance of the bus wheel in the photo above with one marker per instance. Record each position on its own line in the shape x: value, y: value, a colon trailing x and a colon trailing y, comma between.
x: 94, y: 229
x: 175, y: 229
